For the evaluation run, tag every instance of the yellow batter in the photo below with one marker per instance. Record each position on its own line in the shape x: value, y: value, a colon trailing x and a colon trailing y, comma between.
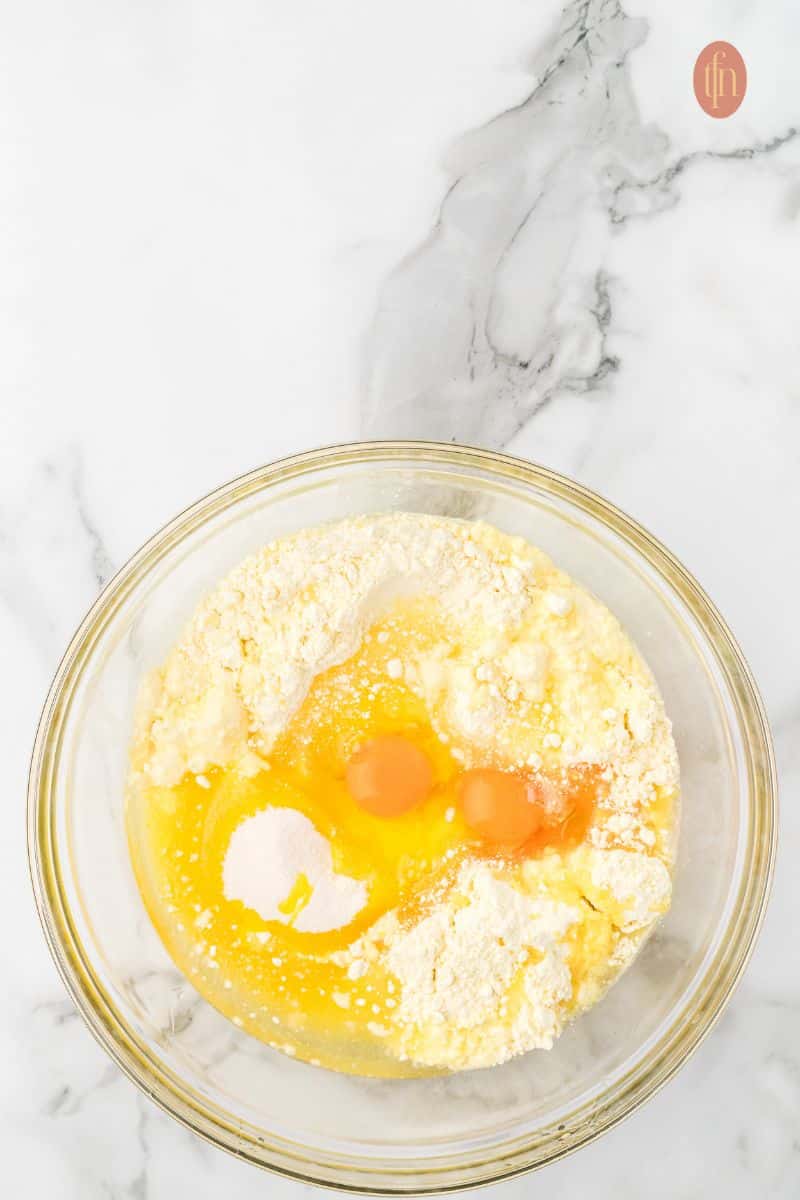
x: 365, y: 997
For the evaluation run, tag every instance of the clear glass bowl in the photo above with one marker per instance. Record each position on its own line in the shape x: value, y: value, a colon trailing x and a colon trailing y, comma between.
x: 417, y: 1135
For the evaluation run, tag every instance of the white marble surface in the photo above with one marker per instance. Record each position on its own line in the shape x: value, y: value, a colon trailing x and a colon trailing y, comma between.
x: 228, y: 232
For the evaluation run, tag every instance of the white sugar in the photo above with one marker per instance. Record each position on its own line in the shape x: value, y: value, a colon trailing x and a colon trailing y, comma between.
x: 265, y: 856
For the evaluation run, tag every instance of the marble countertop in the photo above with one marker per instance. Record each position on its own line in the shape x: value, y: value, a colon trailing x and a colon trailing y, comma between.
x: 229, y: 232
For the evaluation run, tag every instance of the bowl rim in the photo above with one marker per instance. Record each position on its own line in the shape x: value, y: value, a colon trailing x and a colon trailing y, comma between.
x: 504, y: 1161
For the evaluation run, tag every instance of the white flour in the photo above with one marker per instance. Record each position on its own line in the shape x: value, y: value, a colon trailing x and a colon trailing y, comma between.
x: 487, y: 974
x: 456, y: 966
x: 640, y: 882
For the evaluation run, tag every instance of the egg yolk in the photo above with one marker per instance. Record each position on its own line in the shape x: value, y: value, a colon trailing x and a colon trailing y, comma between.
x: 388, y: 775
x: 500, y: 806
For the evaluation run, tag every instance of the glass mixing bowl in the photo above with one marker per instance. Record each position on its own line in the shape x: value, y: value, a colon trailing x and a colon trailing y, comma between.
x: 413, y: 1135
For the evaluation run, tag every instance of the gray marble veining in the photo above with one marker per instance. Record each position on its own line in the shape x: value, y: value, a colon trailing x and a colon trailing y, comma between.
x: 235, y: 233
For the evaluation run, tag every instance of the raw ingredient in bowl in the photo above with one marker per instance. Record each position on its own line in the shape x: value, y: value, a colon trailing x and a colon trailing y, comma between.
x: 403, y: 797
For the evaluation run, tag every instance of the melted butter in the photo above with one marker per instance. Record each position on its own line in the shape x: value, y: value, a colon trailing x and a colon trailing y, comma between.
x: 298, y: 898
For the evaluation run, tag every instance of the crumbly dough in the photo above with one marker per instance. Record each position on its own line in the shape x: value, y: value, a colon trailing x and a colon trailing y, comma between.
x: 524, y: 669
